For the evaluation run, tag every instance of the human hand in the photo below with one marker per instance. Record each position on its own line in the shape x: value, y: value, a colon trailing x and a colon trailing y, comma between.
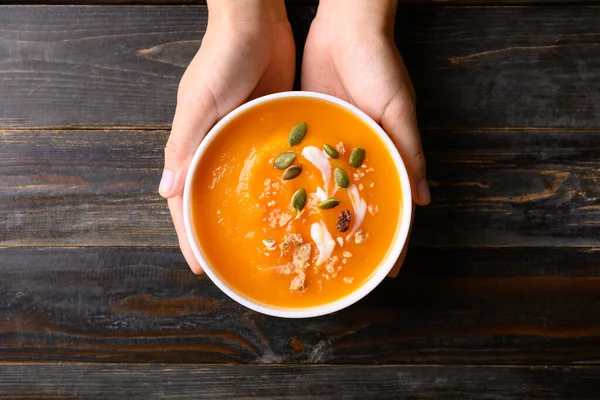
x: 248, y: 51
x: 350, y: 53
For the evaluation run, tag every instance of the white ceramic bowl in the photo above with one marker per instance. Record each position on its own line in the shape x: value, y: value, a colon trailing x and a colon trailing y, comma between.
x: 382, y: 269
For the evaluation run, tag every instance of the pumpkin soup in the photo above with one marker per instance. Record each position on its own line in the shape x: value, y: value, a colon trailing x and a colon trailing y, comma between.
x: 296, y: 202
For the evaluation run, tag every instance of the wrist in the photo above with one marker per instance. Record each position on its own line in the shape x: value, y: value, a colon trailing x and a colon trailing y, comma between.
x: 247, y: 12
x: 366, y: 14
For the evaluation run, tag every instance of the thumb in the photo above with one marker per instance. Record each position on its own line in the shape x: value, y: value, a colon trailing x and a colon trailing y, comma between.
x: 194, y: 116
x: 399, y: 120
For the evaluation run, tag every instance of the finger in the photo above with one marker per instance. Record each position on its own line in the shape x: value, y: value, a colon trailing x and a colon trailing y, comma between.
x: 396, y: 269
x: 194, y: 116
x: 176, y: 208
x: 400, y: 122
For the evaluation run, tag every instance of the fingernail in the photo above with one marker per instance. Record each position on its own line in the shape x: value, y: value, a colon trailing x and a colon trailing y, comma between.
x: 166, y: 182
x: 423, y: 192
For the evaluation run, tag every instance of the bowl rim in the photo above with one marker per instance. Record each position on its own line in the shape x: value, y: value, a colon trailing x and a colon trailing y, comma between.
x: 381, y: 270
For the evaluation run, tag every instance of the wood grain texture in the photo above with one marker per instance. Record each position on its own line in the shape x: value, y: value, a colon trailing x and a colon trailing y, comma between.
x: 301, y: 2
x: 83, y: 187
x: 120, y: 66
x: 566, y: 3
x: 503, y: 67
x: 167, y: 2
x: 135, y: 381
x: 511, y: 187
x: 489, y: 188
x: 94, y: 66
x: 448, y: 306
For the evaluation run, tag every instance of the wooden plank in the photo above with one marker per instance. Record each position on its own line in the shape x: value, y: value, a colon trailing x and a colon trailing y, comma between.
x: 158, y: 2
x: 512, y: 2
x: 94, y: 66
x: 504, y: 66
x: 83, y: 187
x: 157, y: 381
x: 511, y: 187
x: 119, y: 66
x: 478, y: 306
x: 303, y: 2
x: 489, y: 188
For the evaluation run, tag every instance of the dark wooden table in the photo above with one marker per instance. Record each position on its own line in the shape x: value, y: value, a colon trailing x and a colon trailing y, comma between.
x: 500, y: 294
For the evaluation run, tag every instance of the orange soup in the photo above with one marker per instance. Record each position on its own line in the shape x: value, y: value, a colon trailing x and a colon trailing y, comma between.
x: 284, y: 221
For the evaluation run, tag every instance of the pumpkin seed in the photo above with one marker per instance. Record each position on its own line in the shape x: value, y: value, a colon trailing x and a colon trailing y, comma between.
x: 269, y: 243
x: 329, y: 203
x: 341, y: 178
x: 357, y: 157
x: 292, y: 172
x: 299, y: 199
x: 331, y: 152
x: 284, y: 160
x: 297, y: 133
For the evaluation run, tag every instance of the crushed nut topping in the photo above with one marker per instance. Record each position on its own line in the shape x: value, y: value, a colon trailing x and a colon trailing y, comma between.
x: 359, y: 174
x: 344, y: 260
x: 298, y: 284
x: 289, y: 241
x: 271, y: 203
x: 301, y: 253
x: 331, y: 245
x: 311, y: 203
x: 373, y: 209
x: 346, y: 254
x: 249, y: 235
x: 360, y: 236
x: 340, y: 148
x: 273, y: 217
x: 372, y: 185
x: 340, y: 240
x: 348, y: 280
x: 276, y: 217
x: 287, y: 269
x: 270, y: 244
x: 284, y: 218
x: 360, y: 186
x: 330, y: 266
x: 301, y: 256
x: 270, y: 189
x: 343, y: 221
